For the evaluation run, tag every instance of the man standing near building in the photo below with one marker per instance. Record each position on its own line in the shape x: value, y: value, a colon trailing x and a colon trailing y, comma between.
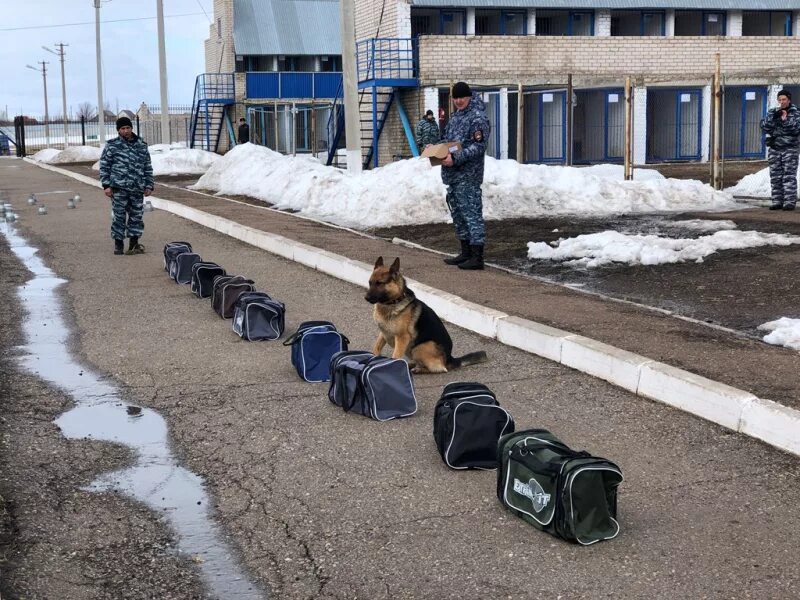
x: 782, y: 128
x: 126, y: 175
x: 244, y: 132
x: 462, y: 173
x: 427, y: 131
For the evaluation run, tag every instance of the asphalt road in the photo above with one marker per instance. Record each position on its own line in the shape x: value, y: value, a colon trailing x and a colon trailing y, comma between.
x: 322, y: 504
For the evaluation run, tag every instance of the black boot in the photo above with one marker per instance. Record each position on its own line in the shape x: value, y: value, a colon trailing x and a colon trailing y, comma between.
x: 475, y: 261
x: 464, y: 256
x: 135, y: 247
x: 118, y: 247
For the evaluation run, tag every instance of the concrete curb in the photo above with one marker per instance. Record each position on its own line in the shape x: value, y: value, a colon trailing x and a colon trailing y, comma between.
x: 730, y: 407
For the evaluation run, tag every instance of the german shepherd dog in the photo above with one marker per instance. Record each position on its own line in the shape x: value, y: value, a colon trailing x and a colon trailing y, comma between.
x: 410, y: 326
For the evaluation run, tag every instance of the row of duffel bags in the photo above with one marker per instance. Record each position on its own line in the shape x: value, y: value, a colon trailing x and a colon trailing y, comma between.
x: 567, y: 493
x: 256, y: 315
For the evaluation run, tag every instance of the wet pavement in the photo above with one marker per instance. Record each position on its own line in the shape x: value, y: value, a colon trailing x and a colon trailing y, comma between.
x: 316, y: 503
x: 100, y: 414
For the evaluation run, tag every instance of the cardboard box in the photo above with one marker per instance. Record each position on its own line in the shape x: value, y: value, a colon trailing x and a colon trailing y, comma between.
x: 436, y: 153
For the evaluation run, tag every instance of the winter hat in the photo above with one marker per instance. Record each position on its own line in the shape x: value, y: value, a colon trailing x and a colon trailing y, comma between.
x: 461, y: 90
x: 123, y: 122
x: 785, y: 93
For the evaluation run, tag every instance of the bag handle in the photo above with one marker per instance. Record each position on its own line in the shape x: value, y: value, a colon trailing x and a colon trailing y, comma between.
x: 351, y: 398
x: 536, y: 464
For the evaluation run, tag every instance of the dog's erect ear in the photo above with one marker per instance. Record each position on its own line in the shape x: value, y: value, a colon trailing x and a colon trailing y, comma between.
x: 395, y: 266
x: 379, y: 262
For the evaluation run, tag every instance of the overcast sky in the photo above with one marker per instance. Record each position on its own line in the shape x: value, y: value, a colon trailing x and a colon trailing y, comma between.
x: 129, y: 50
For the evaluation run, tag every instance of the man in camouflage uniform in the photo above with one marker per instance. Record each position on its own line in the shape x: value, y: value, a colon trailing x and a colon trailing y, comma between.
x: 782, y: 128
x: 462, y: 173
x: 126, y: 174
x: 427, y: 131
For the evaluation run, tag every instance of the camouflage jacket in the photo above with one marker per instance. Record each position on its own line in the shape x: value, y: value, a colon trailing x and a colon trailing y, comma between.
x: 427, y: 133
x: 470, y: 127
x: 782, y: 135
x: 126, y: 165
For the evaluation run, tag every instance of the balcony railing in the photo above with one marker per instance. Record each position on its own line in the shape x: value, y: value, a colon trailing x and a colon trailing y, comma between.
x: 286, y: 85
x: 213, y: 87
x: 391, y: 61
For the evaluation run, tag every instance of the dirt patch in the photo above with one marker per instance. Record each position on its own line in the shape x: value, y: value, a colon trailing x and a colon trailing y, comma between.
x: 739, y: 289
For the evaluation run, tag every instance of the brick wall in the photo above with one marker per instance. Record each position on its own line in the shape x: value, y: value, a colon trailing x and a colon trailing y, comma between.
x: 602, y: 22
x: 536, y: 60
x: 370, y: 23
x: 219, y: 44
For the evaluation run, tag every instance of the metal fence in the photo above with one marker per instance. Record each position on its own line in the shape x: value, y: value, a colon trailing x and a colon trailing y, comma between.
x: 27, y: 136
x: 671, y: 122
x: 290, y: 128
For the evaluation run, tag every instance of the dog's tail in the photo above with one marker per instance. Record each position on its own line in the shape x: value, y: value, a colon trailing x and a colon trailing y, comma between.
x: 473, y: 358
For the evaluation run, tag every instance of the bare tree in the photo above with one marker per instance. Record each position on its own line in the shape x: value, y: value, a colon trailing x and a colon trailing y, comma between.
x: 87, y: 111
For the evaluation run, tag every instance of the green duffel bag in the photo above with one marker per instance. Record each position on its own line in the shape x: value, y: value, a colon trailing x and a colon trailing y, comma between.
x: 568, y: 494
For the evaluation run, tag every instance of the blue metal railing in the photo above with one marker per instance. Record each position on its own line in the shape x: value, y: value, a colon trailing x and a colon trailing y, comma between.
x: 282, y: 85
x: 211, y: 89
x: 387, y: 59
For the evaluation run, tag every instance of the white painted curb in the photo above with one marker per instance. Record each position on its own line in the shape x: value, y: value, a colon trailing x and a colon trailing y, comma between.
x: 616, y: 366
x: 730, y: 407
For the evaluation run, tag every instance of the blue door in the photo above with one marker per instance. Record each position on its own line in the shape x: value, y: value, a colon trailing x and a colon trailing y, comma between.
x: 674, y: 122
x: 743, y: 109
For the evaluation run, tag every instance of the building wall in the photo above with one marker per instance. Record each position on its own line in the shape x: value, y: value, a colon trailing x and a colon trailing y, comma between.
x: 220, y: 54
x: 492, y: 60
x: 379, y: 18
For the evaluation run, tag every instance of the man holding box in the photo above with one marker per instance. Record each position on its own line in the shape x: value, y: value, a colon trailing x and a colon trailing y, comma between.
x: 462, y: 173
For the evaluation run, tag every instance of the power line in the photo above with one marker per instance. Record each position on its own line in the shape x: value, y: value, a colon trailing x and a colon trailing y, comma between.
x: 92, y: 22
x: 204, y: 11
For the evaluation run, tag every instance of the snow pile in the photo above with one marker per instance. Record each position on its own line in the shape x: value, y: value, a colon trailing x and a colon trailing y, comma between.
x: 71, y: 154
x: 755, y: 185
x: 156, y: 148
x: 618, y: 172
x: 597, y: 249
x: 74, y: 154
x: 401, y: 193
x: 182, y: 161
x: 46, y: 155
x: 784, y: 332
x: 410, y: 192
x: 514, y: 190
x: 177, y: 159
x: 700, y: 224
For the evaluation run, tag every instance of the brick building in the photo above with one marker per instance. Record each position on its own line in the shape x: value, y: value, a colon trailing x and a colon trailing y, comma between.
x: 668, y: 47
x: 276, y: 63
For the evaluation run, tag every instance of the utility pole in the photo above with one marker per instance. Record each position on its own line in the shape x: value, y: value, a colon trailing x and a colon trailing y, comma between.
x: 46, y: 111
x: 716, y: 148
x: 162, y: 68
x: 628, y: 129
x: 352, y: 116
x: 101, y: 115
x: 61, y: 54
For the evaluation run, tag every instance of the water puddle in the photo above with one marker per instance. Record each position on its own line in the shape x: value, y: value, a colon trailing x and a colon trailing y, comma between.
x: 101, y: 414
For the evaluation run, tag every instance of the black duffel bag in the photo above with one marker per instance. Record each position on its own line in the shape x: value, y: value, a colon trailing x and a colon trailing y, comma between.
x: 568, y: 494
x: 467, y: 424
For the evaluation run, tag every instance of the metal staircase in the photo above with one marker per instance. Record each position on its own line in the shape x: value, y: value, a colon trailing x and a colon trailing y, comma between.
x: 213, y: 93
x: 372, y: 119
x: 384, y: 65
